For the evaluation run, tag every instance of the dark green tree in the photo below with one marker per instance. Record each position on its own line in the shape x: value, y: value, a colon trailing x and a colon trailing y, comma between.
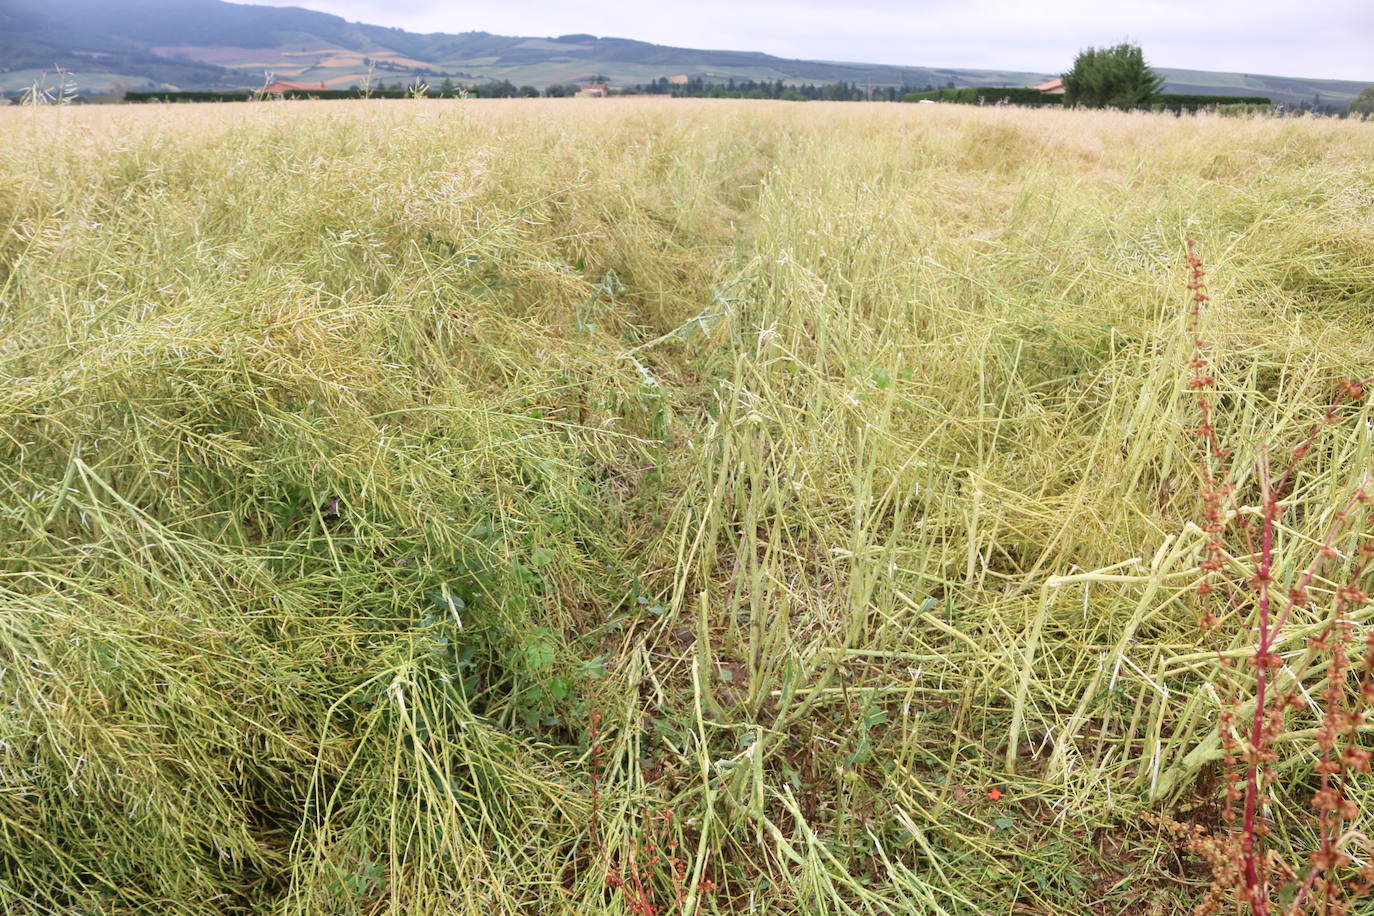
x: 1364, y: 102
x: 1116, y: 77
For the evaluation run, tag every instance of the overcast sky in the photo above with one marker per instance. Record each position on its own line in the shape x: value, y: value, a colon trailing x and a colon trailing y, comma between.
x: 1316, y: 38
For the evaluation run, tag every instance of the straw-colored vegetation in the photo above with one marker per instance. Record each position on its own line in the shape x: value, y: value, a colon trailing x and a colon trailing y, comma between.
x: 357, y: 456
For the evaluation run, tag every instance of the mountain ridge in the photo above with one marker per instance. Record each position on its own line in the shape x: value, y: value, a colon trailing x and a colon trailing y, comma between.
x: 114, y: 45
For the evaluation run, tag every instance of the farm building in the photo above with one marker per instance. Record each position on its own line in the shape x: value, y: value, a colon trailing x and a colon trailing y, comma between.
x: 1054, y: 86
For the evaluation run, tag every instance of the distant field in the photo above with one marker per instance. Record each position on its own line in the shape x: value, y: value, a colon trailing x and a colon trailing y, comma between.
x: 617, y: 506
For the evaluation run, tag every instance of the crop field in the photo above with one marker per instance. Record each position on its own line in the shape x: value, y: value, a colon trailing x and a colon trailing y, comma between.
x: 650, y: 508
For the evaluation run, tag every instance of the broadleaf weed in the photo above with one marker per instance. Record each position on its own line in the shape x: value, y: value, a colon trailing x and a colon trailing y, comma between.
x: 1255, y: 575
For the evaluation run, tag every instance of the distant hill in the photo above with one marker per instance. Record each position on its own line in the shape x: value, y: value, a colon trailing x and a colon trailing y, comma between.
x: 114, y: 45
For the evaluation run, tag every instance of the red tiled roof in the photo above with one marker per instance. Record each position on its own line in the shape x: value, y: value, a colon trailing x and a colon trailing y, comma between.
x: 1054, y: 85
x: 288, y: 86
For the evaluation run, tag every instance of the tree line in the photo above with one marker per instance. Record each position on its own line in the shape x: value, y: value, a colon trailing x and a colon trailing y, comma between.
x: 700, y: 88
x: 1119, y: 77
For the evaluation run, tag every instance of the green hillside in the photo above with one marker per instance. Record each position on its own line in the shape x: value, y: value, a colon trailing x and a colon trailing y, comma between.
x: 1287, y: 90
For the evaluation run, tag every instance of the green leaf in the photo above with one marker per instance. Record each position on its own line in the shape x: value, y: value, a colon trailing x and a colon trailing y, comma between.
x: 446, y: 601
x: 539, y: 654
x: 559, y: 688
x: 541, y: 557
x: 595, y: 668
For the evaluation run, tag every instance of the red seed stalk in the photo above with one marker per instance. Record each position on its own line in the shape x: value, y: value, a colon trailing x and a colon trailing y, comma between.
x: 1241, y: 861
x: 649, y: 855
